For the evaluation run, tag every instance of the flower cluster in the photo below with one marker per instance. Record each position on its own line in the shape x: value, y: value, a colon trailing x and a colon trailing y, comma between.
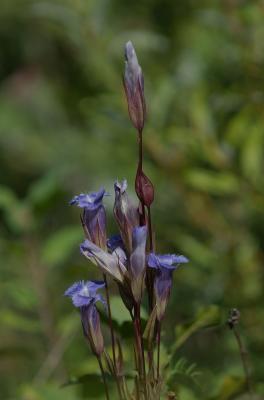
x: 127, y: 258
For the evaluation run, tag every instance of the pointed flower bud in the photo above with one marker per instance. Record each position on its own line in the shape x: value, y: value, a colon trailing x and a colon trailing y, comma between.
x: 138, y: 262
x: 109, y: 263
x: 134, y: 87
x: 164, y: 265
x: 144, y: 188
x: 92, y: 328
x: 84, y: 296
x: 125, y: 213
x: 94, y: 216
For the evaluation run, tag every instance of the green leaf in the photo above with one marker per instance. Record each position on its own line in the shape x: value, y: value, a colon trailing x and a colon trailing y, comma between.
x: 217, y: 183
x: 204, y: 318
x: 230, y: 387
x: 150, y: 327
x: 8, y: 199
x: 183, y: 373
x: 17, y: 214
x: 87, y: 378
x: 46, y: 391
x: 61, y: 244
x: 15, y: 320
x: 42, y: 190
x: 252, y: 158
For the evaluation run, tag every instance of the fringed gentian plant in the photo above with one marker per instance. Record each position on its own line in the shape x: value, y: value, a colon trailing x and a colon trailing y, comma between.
x: 129, y: 259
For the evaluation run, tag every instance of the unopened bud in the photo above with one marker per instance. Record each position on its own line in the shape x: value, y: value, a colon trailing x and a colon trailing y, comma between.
x: 138, y: 262
x: 144, y: 188
x: 92, y: 328
x: 125, y: 214
x: 134, y: 88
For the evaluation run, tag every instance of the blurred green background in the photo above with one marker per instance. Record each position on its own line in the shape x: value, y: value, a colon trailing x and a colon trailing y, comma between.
x: 64, y: 129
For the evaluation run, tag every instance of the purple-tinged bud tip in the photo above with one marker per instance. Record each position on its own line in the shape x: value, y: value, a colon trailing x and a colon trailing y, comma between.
x: 138, y: 261
x: 92, y: 328
x: 144, y: 188
x: 134, y: 87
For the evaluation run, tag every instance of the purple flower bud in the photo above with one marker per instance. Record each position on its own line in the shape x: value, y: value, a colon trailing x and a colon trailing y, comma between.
x: 134, y: 87
x: 125, y: 213
x: 144, y: 188
x: 94, y: 216
x: 92, y: 328
x: 109, y: 263
x: 138, y: 262
x: 164, y: 265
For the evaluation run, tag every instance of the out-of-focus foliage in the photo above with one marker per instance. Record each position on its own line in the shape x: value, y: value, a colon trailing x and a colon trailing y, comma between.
x: 64, y: 129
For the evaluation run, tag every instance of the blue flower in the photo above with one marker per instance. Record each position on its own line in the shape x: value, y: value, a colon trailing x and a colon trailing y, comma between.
x: 84, y: 296
x: 164, y: 265
x: 85, y: 293
x: 94, y: 216
x: 168, y: 261
x: 92, y: 201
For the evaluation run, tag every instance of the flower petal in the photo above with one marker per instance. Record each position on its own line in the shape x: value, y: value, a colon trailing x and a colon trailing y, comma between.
x: 169, y: 261
x: 76, y: 287
x: 109, y: 263
x: 90, y: 201
x: 138, y: 262
x: 83, y: 293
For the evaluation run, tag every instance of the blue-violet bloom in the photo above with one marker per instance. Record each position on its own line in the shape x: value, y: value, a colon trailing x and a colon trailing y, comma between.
x: 164, y: 265
x: 84, y: 296
x: 84, y: 293
x: 94, y: 216
x: 168, y: 261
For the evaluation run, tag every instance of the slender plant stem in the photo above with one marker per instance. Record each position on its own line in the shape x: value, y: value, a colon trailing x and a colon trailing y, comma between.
x: 140, y: 165
x: 243, y: 355
x: 140, y: 150
x: 138, y: 353
x: 110, y: 319
x: 158, y: 350
x: 137, y: 388
x: 149, y: 272
x: 103, y: 376
x: 150, y: 230
x: 141, y: 348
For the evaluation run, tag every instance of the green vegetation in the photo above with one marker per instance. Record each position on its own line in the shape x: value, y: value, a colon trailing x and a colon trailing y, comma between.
x: 64, y: 129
